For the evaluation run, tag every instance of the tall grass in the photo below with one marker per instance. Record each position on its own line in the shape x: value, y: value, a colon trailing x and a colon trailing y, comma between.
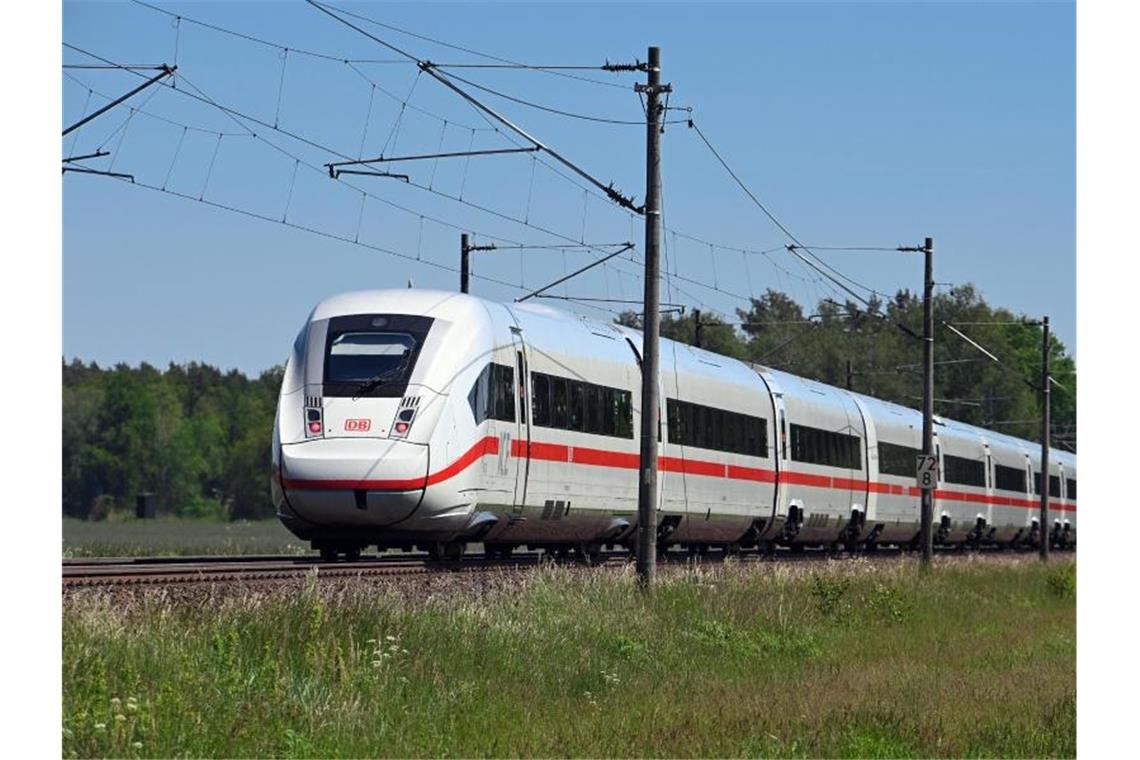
x: 844, y: 659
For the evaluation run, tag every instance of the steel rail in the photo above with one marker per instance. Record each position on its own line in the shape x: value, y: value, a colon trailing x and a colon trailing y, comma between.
x: 162, y: 571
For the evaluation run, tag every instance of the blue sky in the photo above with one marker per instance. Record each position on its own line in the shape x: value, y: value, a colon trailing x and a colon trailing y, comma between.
x: 857, y: 124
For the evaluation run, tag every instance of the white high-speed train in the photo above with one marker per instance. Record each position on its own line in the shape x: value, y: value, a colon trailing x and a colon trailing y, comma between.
x: 427, y: 419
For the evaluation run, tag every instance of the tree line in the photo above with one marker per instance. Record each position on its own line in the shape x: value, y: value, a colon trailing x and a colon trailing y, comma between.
x: 877, y: 350
x: 199, y: 438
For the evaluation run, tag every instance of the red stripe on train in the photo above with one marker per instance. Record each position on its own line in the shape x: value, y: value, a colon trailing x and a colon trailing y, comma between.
x: 557, y: 452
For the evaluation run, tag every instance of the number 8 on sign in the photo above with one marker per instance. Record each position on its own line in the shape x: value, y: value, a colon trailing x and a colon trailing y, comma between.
x: 926, y: 471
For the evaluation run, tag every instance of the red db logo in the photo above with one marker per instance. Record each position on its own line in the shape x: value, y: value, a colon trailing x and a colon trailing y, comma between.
x: 357, y: 426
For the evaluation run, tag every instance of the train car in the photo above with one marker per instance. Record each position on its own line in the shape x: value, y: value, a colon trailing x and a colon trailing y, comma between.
x: 1011, y: 476
x: 425, y: 419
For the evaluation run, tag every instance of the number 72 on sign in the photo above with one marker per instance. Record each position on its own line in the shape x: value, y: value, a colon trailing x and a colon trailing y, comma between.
x: 926, y: 471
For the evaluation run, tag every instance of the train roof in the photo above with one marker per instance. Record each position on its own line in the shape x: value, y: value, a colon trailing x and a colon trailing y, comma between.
x: 694, y: 361
x: 715, y: 365
x: 434, y: 303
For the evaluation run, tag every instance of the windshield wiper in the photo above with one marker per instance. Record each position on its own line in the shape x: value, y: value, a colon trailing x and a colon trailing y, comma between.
x: 376, y: 381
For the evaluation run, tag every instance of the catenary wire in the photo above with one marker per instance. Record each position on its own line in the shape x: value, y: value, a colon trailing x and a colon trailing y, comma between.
x: 472, y: 51
x: 445, y: 80
x: 236, y: 115
x: 292, y: 135
x: 267, y: 43
x: 782, y: 228
x: 549, y: 109
x: 350, y: 63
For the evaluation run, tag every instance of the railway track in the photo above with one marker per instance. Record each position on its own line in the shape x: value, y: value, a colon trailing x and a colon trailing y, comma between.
x: 189, y: 570
x: 164, y: 571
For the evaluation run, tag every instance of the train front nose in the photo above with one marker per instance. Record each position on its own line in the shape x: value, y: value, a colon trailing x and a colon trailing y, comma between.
x: 354, y: 481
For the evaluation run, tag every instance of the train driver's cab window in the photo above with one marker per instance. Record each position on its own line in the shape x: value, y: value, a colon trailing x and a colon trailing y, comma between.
x: 357, y: 357
x: 493, y: 394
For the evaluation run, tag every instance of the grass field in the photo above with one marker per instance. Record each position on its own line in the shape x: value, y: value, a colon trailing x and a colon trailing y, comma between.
x: 850, y: 659
x: 175, y: 537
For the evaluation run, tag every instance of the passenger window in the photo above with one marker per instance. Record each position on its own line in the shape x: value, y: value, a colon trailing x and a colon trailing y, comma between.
x: 522, y: 387
x: 540, y: 389
x: 717, y: 429
x: 477, y: 398
x: 1009, y: 478
x: 825, y: 447
x: 595, y: 410
x: 492, y: 396
x: 577, y: 413
x: 895, y: 459
x: 576, y: 405
x: 504, y: 383
x: 561, y: 416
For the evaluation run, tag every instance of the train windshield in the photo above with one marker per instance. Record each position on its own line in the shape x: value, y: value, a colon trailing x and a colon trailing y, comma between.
x: 371, y: 356
x: 360, y: 357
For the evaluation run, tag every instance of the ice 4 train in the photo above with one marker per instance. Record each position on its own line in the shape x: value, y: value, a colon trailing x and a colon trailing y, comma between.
x: 419, y: 419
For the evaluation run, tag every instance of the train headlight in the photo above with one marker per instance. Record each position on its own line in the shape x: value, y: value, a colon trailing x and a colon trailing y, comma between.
x: 314, y: 425
x: 403, y: 422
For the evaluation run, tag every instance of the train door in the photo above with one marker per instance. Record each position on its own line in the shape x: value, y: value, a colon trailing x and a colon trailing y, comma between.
x: 938, y: 516
x: 519, y: 449
x: 865, y: 495
x: 1030, y: 514
x: 779, y: 450
x: 1058, y: 513
x: 672, y: 486
x: 988, y: 512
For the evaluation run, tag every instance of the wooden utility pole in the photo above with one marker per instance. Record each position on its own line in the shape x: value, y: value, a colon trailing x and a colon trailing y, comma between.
x: 464, y: 264
x: 651, y: 324
x: 1043, y: 519
x: 697, y: 328
x: 465, y: 251
x: 927, y: 533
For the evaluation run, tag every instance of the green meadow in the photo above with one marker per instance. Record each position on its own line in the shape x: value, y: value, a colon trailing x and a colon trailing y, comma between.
x: 172, y: 536
x: 837, y: 659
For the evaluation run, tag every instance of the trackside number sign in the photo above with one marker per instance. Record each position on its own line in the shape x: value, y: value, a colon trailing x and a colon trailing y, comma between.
x: 926, y: 471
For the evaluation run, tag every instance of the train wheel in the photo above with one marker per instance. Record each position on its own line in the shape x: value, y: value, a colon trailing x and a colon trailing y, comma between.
x: 435, y: 550
x: 590, y: 554
x: 328, y: 554
x: 352, y: 554
x: 453, y: 550
x: 497, y: 551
